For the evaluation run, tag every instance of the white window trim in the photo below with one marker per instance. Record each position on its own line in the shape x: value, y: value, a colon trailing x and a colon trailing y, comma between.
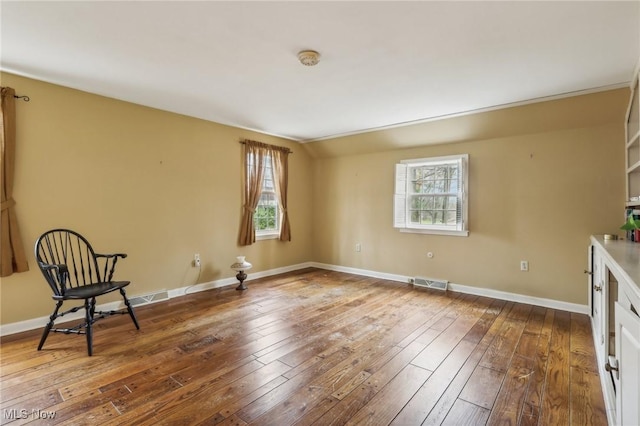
x: 401, y: 200
x: 271, y: 234
x: 267, y: 235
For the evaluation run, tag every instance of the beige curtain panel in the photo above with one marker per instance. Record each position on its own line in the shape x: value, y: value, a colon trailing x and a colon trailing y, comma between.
x: 253, y: 174
x: 281, y: 170
x: 12, y: 257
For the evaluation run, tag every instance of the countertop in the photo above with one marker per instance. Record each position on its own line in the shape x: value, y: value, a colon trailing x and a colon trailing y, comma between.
x: 624, y: 259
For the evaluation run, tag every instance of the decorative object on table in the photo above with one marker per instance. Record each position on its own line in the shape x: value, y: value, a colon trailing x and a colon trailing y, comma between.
x: 240, y: 267
x: 632, y: 226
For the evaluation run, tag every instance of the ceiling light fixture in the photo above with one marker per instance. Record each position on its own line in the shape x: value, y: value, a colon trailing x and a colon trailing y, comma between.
x: 308, y: 57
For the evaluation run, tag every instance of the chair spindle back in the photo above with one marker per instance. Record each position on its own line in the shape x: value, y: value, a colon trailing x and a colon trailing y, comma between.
x: 66, y: 260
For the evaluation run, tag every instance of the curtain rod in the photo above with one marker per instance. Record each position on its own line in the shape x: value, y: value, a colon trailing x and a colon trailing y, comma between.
x: 23, y: 97
x: 283, y: 148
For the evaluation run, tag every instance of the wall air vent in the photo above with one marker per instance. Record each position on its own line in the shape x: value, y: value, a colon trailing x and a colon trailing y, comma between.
x: 430, y: 283
x: 149, y: 298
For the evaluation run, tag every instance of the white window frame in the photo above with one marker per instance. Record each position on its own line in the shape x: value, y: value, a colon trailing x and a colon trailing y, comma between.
x: 403, y: 193
x: 269, y: 233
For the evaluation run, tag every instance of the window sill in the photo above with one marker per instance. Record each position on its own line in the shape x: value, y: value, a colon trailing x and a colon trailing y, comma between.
x: 435, y: 232
x: 269, y: 236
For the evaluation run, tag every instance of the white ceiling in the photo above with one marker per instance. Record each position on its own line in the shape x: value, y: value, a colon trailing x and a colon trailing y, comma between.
x: 382, y: 63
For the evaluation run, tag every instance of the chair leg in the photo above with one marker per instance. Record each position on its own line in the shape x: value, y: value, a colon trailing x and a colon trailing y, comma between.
x: 49, y: 325
x: 88, y: 307
x: 93, y: 307
x: 129, y: 308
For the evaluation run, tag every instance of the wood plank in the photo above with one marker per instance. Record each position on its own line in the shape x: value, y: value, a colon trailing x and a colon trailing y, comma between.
x: 536, y: 320
x: 520, y: 312
x: 502, y: 348
x: 438, y: 350
x: 266, y: 402
x: 229, y: 421
x: 341, y: 412
x: 232, y: 407
x: 386, y: 404
x: 533, y: 397
x: 432, y: 315
x: 508, y: 405
x: 482, y: 387
x: 482, y: 326
x: 465, y: 413
x: 498, y: 315
x: 342, y: 377
x: 98, y: 415
x: 96, y: 399
x: 38, y: 400
x: 345, y: 389
x: 555, y: 402
x: 587, y: 403
x: 583, y: 354
x: 421, y: 404
x: 209, y: 402
x: 445, y: 403
x: 315, y: 412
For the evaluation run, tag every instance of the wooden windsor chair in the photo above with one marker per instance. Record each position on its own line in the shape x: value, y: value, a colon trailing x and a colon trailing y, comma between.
x: 75, y: 272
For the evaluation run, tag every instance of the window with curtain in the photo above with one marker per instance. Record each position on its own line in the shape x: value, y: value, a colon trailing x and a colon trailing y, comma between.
x: 265, y: 212
x: 431, y: 195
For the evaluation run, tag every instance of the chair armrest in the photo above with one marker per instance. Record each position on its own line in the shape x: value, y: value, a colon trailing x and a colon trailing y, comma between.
x: 61, y: 275
x: 110, y: 264
x: 121, y: 255
x: 61, y: 267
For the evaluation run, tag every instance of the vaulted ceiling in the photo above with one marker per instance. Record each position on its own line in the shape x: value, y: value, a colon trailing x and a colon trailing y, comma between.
x: 382, y: 63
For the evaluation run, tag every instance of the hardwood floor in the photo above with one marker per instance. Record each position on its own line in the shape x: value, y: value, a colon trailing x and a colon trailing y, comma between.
x: 312, y: 347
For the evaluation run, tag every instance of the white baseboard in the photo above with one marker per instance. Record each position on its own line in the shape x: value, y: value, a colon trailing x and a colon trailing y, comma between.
x: 177, y: 292
x: 40, y: 322
x: 364, y: 272
x: 496, y: 294
x: 31, y: 324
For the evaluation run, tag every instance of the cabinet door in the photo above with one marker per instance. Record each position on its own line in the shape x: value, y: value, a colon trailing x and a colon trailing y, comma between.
x: 628, y: 357
x: 597, y: 285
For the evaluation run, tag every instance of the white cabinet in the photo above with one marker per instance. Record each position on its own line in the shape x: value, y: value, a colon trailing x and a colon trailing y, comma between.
x: 614, y: 296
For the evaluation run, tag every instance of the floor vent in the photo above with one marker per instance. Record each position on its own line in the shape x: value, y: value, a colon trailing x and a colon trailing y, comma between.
x: 149, y: 298
x: 430, y: 283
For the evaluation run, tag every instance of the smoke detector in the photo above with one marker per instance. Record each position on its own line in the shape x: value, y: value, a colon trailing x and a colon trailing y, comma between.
x: 308, y: 57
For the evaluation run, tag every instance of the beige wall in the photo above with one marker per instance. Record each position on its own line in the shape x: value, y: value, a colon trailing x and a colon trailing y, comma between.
x: 162, y: 187
x: 535, y: 195
x: 156, y: 185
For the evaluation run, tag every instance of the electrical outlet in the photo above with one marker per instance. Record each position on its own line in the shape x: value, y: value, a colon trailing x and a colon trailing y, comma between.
x: 358, y: 247
x: 196, y: 260
x: 430, y: 255
x: 524, y: 265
